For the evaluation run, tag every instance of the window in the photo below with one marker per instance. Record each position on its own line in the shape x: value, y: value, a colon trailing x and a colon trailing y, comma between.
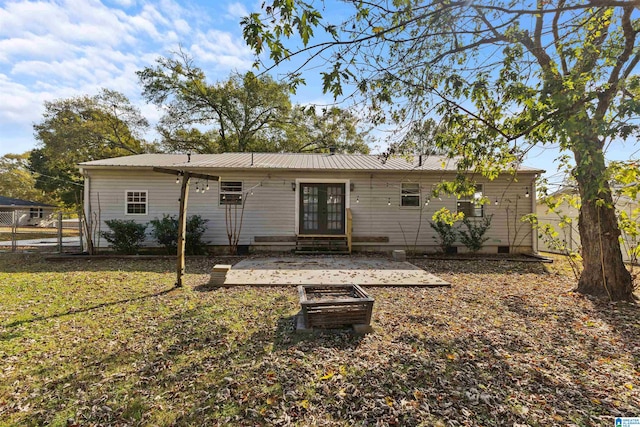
x: 230, y: 192
x: 136, y: 203
x: 410, y: 194
x: 472, y: 206
x: 36, y: 213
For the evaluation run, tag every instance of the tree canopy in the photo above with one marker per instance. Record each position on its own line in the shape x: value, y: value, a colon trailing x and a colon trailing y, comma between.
x: 244, y: 113
x: 17, y: 181
x: 502, y: 76
x: 81, y: 129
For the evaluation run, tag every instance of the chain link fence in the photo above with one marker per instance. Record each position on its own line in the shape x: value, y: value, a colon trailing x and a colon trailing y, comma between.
x: 31, y: 230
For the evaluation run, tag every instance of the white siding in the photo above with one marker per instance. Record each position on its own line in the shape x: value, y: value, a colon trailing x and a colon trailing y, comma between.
x: 271, y: 210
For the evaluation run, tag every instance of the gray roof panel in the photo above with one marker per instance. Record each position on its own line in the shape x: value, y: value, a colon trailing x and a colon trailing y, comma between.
x: 10, y: 201
x: 287, y: 161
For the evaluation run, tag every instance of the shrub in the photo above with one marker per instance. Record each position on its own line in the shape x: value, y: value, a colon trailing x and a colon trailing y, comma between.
x: 125, y: 236
x: 165, y: 232
x: 444, y: 224
x: 473, y: 237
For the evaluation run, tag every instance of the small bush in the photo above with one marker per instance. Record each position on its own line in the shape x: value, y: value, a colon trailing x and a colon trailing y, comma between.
x: 125, y: 236
x: 473, y: 237
x: 165, y: 232
x: 444, y: 224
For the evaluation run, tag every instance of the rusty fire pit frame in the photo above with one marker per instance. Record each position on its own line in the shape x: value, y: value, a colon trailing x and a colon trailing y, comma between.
x: 334, y: 306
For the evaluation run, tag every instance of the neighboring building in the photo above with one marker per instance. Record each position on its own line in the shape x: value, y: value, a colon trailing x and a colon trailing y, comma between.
x: 26, y: 212
x: 568, y: 234
x: 292, y: 197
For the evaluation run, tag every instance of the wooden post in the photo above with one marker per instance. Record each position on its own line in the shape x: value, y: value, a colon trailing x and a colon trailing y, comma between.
x: 80, y: 233
x: 14, y: 230
x: 59, y: 232
x: 182, y: 228
x: 182, y: 219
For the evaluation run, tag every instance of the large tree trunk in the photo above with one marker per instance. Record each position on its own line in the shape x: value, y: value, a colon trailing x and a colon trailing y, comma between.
x: 604, y: 273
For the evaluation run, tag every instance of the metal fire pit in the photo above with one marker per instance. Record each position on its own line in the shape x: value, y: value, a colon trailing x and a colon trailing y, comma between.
x: 334, y: 306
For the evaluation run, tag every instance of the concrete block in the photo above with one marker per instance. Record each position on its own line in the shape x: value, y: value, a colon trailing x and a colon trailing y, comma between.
x: 219, y: 274
x: 399, y: 255
x: 301, y: 328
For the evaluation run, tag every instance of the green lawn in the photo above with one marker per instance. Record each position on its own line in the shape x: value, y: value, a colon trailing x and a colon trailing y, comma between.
x: 109, y: 342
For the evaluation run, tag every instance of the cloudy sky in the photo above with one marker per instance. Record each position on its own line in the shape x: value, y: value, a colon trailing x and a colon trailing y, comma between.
x: 58, y: 49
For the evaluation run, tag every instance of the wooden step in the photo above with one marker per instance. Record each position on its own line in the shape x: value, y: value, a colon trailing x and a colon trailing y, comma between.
x: 322, y: 244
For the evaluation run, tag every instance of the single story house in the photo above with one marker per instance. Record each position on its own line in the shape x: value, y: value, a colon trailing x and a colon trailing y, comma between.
x: 288, y: 198
x: 24, y: 212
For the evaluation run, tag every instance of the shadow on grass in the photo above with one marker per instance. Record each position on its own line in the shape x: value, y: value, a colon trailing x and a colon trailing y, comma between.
x: 445, y: 266
x: 36, y: 263
x: 85, y: 309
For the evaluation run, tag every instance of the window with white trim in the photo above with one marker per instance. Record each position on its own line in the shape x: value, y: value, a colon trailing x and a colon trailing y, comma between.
x: 230, y: 192
x: 136, y: 202
x: 410, y: 194
x: 36, y: 213
x: 472, y: 207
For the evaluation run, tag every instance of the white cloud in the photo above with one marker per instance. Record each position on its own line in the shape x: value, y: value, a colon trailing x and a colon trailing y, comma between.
x: 57, y: 49
x: 223, y: 50
x: 236, y: 11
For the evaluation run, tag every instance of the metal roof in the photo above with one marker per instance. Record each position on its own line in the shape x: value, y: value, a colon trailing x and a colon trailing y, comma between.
x: 9, y: 201
x: 286, y: 161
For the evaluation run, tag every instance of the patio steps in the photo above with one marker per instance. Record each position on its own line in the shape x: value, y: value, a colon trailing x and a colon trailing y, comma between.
x: 322, y: 244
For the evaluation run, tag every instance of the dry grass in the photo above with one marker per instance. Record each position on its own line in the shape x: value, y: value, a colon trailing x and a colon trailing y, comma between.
x: 111, y: 342
x: 27, y: 233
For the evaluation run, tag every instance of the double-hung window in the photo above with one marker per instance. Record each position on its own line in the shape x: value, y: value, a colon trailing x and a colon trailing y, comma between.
x: 230, y: 192
x: 410, y: 194
x: 136, y: 202
x: 471, y: 206
x: 36, y: 213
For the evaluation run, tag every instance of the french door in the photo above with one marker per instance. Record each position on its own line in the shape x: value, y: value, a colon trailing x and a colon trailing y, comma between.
x: 322, y: 207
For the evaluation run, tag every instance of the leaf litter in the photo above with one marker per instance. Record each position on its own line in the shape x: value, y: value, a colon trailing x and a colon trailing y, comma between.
x: 110, y: 342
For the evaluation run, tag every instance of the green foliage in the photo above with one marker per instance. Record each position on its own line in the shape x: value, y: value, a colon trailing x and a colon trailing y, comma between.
x: 318, y: 129
x: 443, y: 222
x: 17, y: 181
x: 239, y: 114
x: 165, y: 232
x: 125, y: 236
x: 557, y: 242
x: 473, y: 237
x: 243, y: 113
x: 81, y: 129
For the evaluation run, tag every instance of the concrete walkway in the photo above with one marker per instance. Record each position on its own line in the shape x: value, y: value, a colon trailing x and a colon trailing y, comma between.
x: 290, y: 271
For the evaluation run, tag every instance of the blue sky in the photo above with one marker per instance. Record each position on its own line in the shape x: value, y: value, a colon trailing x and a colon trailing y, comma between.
x: 58, y: 49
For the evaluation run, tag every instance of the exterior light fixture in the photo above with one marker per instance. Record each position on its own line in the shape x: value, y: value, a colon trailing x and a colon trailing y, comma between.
x: 389, y: 202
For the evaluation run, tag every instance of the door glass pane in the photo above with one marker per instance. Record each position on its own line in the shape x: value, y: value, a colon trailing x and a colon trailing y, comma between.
x: 310, y: 208
x: 335, y: 203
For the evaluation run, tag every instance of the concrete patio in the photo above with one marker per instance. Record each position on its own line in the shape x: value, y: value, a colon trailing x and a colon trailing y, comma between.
x: 293, y: 271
